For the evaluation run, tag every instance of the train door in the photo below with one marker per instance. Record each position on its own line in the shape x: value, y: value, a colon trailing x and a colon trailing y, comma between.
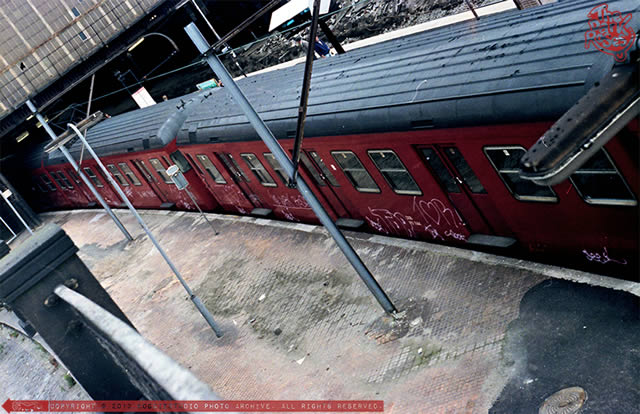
x: 459, y: 182
x: 239, y: 177
x: 152, y: 181
x: 228, y: 195
x: 325, y: 181
x: 82, y: 187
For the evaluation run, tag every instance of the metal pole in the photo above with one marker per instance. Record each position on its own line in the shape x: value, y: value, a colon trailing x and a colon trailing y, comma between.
x: 331, y: 37
x: 191, y: 196
x: 203, y: 310
x: 470, y: 6
x: 12, y: 232
x: 76, y: 167
x: 24, y: 223
x: 233, y: 54
x: 304, y: 96
x: 93, y: 78
x: 286, y: 164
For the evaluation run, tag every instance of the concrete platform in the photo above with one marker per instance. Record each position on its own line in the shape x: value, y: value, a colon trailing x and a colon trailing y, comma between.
x: 299, y: 323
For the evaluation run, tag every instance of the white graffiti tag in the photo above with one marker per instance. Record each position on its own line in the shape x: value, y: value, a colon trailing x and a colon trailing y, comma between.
x: 602, y: 258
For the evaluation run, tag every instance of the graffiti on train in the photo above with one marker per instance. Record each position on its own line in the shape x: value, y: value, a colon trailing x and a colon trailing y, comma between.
x: 602, y: 258
x: 432, y: 217
x: 285, y: 203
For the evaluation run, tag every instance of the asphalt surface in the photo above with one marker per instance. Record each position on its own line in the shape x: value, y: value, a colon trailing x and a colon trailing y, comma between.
x: 568, y: 335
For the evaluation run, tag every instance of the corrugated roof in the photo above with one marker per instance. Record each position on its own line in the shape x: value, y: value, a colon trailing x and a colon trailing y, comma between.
x: 515, y: 66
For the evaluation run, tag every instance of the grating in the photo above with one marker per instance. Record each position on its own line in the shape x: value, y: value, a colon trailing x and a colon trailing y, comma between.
x: 566, y: 401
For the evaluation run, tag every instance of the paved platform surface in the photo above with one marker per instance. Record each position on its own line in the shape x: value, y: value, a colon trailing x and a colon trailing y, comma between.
x: 299, y: 323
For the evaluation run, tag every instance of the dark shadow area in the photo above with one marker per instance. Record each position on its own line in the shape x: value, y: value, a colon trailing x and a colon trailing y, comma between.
x: 570, y: 334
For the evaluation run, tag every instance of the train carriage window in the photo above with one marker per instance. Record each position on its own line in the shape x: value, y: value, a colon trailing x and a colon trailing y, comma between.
x: 59, y: 179
x: 195, y: 164
x: 394, y: 171
x: 74, y: 176
x: 93, y: 177
x: 117, y: 174
x: 598, y: 181
x: 323, y: 167
x: 440, y: 171
x: 211, y: 169
x: 505, y: 160
x: 258, y: 170
x: 45, y: 179
x: 355, y: 171
x: 276, y: 167
x: 160, y: 169
x: 129, y: 173
x: 65, y: 180
x: 465, y: 171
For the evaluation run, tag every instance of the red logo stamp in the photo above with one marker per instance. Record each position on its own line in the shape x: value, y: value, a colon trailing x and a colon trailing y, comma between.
x: 609, y: 32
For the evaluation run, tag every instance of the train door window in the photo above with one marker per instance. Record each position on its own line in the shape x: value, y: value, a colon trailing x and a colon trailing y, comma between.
x: 276, y: 167
x: 45, y: 179
x: 195, y: 164
x: 394, y: 171
x: 234, y: 166
x: 93, y: 177
x: 145, y: 171
x: 117, y: 174
x: 355, y: 171
x: 505, y: 160
x: 166, y: 160
x: 65, y: 180
x: 598, y: 181
x: 129, y: 173
x: 313, y: 171
x: 73, y: 176
x: 323, y: 167
x: 160, y: 169
x: 179, y: 159
x: 258, y: 170
x: 465, y: 171
x: 440, y: 171
x: 211, y: 169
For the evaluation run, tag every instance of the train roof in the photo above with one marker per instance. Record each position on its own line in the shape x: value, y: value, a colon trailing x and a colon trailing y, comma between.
x: 515, y: 66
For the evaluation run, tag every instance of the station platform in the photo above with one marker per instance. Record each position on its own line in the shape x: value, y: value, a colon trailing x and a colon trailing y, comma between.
x: 478, y: 333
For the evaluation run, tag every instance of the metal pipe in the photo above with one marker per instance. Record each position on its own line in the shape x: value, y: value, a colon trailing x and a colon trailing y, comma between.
x: 203, y: 310
x: 11, y: 230
x: 304, y: 95
x: 473, y: 10
x: 331, y: 37
x: 193, y: 198
x: 286, y: 164
x: 93, y: 78
x: 76, y: 167
x: 24, y: 223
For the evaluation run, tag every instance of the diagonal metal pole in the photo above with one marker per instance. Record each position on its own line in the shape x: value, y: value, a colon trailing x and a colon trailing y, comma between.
x: 286, y: 164
x: 304, y: 95
x: 196, y: 301
x: 76, y: 167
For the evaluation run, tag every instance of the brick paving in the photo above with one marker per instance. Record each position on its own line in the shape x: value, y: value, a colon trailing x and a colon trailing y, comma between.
x: 298, y: 322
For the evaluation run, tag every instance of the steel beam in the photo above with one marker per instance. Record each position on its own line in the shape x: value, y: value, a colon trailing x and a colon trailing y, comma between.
x: 286, y: 164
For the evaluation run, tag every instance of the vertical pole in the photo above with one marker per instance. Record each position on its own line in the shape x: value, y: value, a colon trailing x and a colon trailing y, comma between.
x: 286, y: 164
x: 203, y: 310
x: 233, y: 54
x: 304, y: 95
x: 470, y: 6
x: 24, y: 223
x: 76, y: 167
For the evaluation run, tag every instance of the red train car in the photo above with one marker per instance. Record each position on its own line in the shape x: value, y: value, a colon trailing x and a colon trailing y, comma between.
x: 418, y: 137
